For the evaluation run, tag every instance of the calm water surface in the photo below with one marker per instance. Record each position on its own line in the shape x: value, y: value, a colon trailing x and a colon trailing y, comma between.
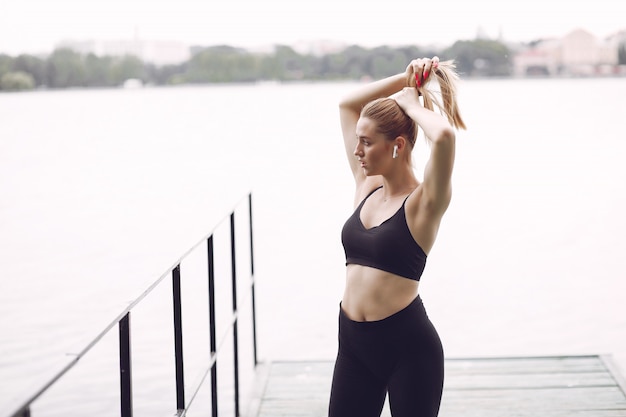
x: 101, y: 191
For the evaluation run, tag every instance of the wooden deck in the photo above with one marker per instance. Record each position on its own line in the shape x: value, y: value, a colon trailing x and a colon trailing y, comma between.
x: 569, y: 386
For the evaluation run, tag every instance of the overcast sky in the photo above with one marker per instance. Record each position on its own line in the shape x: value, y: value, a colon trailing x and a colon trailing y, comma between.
x: 33, y: 26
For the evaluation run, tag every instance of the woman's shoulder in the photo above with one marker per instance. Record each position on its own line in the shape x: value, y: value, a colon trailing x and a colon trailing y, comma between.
x: 414, y: 200
x: 367, y: 187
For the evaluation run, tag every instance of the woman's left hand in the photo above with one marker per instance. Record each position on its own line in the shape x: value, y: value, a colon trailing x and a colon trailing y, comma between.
x: 420, y: 69
x: 406, y: 98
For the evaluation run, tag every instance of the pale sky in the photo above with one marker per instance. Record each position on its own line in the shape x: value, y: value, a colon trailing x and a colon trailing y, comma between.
x: 33, y: 26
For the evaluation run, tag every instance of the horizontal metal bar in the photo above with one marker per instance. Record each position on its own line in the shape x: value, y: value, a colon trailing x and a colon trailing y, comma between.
x: 19, y: 411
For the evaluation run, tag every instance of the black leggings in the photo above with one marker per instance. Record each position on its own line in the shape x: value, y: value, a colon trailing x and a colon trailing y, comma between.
x: 400, y: 355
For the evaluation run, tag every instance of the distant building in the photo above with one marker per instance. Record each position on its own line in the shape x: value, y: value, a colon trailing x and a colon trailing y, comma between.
x: 540, y: 59
x: 156, y: 52
x: 579, y: 53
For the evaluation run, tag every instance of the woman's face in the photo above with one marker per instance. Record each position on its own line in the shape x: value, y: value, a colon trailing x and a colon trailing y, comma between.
x: 373, y: 150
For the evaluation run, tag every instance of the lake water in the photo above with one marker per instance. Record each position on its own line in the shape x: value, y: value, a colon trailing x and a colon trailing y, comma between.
x: 102, y: 191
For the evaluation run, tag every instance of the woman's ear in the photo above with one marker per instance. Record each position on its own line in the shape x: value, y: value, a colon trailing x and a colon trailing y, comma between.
x: 400, y: 142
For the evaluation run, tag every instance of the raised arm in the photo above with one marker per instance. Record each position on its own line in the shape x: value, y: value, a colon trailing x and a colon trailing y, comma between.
x: 436, y: 184
x: 350, y: 109
x: 438, y: 129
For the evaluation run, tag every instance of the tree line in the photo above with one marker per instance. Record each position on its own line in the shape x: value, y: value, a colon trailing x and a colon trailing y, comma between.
x: 66, y: 68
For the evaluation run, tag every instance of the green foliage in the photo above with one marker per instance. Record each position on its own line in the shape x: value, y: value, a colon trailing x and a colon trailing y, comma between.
x: 16, y: 81
x: 6, y: 64
x: 165, y: 75
x: 481, y: 58
x: 32, y: 65
x: 126, y: 67
x: 98, y: 70
x: 66, y: 68
x: 222, y: 64
x: 288, y: 64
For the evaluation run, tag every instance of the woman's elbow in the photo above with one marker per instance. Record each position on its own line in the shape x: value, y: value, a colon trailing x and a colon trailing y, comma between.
x: 346, y: 104
x: 445, y: 135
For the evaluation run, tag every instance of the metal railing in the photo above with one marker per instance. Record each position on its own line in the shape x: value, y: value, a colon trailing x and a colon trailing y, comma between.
x: 123, y: 324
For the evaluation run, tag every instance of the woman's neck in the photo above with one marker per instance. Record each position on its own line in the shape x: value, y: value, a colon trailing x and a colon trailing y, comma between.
x: 399, y: 185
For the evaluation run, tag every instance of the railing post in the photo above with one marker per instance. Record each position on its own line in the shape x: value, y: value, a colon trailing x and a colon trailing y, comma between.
x: 212, y: 337
x: 256, y: 362
x: 125, y: 368
x: 233, y: 263
x: 178, y: 339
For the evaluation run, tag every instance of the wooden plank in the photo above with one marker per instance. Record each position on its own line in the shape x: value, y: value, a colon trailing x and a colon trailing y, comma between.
x: 525, y: 365
x: 539, y: 399
x: 577, y: 386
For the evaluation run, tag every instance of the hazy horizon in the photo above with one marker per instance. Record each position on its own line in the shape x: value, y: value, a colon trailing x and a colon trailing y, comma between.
x: 302, y: 44
x: 37, y: 26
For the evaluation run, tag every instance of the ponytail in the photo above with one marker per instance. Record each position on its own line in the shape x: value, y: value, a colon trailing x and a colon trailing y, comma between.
x: 447, y: 79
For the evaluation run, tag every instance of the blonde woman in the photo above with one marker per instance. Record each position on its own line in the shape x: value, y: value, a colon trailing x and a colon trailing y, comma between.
x: 387, y: 344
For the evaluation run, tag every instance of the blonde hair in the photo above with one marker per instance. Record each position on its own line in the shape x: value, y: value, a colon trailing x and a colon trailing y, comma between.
x: 447, y: 79
x: 390, y: 119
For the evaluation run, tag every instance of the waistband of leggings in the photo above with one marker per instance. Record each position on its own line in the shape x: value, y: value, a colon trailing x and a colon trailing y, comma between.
x: 407, y: 312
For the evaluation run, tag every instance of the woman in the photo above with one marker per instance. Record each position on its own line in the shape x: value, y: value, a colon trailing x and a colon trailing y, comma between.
x: 387, y: 344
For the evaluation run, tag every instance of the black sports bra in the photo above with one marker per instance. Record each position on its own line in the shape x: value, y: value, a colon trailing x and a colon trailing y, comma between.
x: 389, y: 247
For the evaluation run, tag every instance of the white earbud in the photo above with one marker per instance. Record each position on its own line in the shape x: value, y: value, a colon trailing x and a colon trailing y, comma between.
x: 395, y: 152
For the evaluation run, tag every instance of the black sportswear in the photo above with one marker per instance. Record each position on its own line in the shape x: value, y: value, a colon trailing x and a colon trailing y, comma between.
x: 389, y: 247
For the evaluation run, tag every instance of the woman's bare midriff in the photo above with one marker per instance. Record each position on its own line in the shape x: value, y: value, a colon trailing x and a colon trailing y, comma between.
x: 372, y: 294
